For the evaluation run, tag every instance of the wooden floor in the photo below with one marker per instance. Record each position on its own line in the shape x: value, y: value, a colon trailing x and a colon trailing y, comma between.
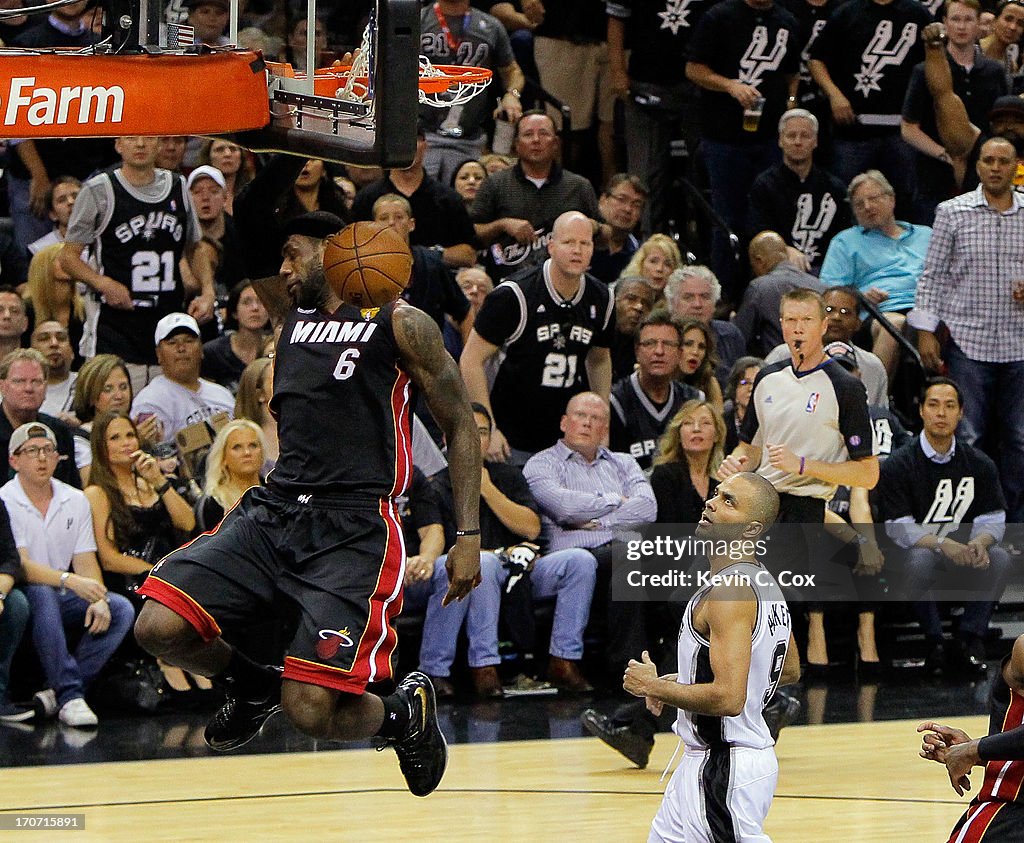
x: 854, y: 782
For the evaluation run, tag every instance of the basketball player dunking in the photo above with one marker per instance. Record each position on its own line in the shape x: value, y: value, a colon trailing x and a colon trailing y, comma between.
x: 996, y: 814
x: 735, y: 647
x: 324, y: 531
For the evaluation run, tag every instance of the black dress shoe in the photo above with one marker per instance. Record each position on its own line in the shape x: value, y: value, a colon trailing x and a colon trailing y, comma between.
x: 815, y: 674
x: 868, y: 673
x: 637, y: 748
x: 967, y: 660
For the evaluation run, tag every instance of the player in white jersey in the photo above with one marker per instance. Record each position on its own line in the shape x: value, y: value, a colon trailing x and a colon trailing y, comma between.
x: 735, y: 647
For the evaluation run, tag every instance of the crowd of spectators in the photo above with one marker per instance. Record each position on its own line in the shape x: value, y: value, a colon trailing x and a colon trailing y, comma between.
x: 860, y: 160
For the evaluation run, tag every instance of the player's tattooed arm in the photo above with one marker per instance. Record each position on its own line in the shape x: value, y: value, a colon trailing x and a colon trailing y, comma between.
x: 432, y: 369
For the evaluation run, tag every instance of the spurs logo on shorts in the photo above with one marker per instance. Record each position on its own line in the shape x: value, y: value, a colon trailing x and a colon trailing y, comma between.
x: 332, y: 640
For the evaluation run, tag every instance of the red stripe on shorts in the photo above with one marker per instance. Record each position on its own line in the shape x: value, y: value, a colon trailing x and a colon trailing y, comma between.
x: 181, y: 604
x: 314, y: 673
x: 979, y: 816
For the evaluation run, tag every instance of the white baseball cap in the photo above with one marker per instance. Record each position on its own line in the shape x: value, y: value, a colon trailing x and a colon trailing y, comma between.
x: 175, y: 322
x: 208, y: 172
x: 30, y: 430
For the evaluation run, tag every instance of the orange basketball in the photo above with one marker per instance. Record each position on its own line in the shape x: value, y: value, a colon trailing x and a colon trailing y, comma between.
x: 367, y: 264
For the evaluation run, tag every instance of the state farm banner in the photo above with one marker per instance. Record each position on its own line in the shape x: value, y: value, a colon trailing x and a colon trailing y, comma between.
x: 59, y: 95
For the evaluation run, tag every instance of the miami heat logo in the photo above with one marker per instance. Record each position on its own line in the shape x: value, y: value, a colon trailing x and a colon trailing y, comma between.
x: 332, y: 640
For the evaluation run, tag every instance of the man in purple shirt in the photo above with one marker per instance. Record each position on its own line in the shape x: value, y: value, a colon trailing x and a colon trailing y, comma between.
x: 587, y: 494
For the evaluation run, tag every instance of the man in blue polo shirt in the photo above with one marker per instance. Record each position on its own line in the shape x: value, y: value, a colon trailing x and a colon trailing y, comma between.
x: 881, y: 256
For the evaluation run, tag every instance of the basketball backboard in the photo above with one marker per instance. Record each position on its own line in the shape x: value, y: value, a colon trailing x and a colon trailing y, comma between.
x: 150, y: 77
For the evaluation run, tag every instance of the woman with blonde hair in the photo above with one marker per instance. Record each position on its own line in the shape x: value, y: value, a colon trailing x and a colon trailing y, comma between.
x: 255, y: 389
x: 654, y: 261
x: 51, y: 294
x: 232, y: 466
x: 691, y: 449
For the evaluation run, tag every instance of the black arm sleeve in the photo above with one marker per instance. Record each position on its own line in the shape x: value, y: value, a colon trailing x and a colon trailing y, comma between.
x: 10, y: 559
x: 1006, y: 746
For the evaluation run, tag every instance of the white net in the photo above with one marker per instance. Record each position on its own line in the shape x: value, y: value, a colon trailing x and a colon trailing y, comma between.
x: 358, y: 86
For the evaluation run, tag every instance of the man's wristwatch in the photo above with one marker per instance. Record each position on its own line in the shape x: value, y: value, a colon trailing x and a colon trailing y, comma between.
x: 64, y: 582
x: 514, y: 92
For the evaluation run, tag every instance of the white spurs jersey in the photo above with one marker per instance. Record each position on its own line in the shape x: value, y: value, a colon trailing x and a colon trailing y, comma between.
x: 768, y: 646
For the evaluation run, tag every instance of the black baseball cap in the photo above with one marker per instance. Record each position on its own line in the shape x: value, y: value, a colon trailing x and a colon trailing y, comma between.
x: 316, y: 224
x: 1010, y: 106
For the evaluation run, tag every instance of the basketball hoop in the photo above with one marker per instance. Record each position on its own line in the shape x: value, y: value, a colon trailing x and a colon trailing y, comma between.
x: 440, y: 86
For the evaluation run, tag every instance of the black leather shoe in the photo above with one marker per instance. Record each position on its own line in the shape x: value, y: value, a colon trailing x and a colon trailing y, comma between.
x: 238, y: 721
x: 637, y: 748
x: 422, y: 750
x: 782, y: 709
x: 967, y: 660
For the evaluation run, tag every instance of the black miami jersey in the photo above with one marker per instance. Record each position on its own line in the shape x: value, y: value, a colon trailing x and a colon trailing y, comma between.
x: 637, y: 422
x: 342, y: 403
x: 544, y: 341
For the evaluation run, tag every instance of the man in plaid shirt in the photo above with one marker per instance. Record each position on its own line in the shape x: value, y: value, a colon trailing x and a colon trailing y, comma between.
x: 973, y: 283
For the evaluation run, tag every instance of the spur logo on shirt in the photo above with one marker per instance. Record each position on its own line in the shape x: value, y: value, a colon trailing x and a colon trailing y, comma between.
x: 949, y: 506
x: 812, y: 402
x: 881, y: 53
x: 808, y: 227
x: 577, y: 333
x: 675, y: 15
x: 146, y: 225
x: 332, y: 332
x: 759, y: 59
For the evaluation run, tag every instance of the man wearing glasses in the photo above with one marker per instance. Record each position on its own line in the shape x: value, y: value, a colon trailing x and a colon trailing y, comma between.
x: 52, y: 527
x: 622, y: 203
x: 644, y: 403
x: 23, y: 375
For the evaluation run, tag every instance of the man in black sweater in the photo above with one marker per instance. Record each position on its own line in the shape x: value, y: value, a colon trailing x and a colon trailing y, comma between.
x: 942, y: 502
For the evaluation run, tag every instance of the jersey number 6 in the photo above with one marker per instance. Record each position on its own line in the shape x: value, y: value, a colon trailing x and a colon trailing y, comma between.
x: 346, y: 364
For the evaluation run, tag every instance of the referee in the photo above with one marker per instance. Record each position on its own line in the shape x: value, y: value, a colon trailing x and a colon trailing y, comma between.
x: 807, y: 428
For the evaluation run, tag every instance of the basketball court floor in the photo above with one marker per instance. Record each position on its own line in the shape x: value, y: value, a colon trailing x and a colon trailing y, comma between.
x: 519, y: 770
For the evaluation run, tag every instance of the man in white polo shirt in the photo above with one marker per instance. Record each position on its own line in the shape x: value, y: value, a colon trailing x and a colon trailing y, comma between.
x: 179, y: 397
x: 52, y: 526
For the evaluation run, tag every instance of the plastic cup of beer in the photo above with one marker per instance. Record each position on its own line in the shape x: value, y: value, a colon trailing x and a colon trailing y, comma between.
x: 752, y: 115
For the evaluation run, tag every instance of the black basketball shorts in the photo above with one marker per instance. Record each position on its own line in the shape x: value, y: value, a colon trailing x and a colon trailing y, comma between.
x: 343, y: 566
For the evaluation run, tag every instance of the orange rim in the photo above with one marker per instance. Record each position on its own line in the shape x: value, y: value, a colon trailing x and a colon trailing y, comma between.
x: 327, y: 79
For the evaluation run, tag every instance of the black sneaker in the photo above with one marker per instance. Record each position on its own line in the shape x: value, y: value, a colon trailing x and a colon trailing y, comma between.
x: 634, y: 746
x: 422, y: 750
x: 238, y: 721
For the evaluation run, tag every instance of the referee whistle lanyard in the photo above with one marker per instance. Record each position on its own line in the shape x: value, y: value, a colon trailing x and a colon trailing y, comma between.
x: 442, y: 21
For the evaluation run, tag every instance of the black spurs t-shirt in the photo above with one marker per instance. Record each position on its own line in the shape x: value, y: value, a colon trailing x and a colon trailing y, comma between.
x: 342, y: 404
x: 544, y: 340
x: 658, y: 33
x: 637, y: 422
x: 760, y: 48
x: 869, y: 51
